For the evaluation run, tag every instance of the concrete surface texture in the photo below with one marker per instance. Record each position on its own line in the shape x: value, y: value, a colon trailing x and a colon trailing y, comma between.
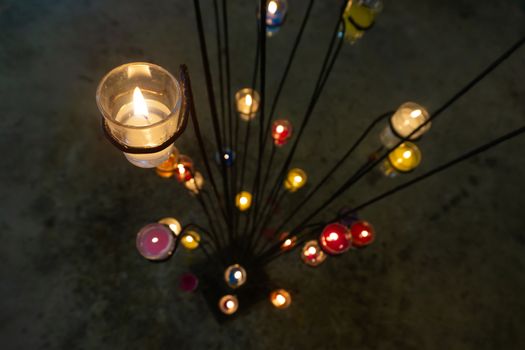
x: 446, y: 271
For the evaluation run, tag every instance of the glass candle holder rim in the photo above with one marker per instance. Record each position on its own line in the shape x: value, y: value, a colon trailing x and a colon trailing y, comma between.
x: 106, y: 113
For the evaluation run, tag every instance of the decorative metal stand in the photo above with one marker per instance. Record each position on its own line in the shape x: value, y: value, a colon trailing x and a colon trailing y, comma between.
x: 236, y: 242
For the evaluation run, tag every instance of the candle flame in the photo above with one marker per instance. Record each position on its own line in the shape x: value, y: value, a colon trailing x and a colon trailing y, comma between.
x: 280, y: 299
x: 230, y: 304
x: 154, y: 240
x: 226, y: 156
x: 189, y: 239
x: 312, y: 251
x: 272, y: 7
x: 248, y: 100
x: 243, y: 200
x: 298, y: 179
x: 415, y: 113
x: 279, y: 129
x: 407, y: 154
x: 364, y: 233
x: 139, y: 104
x: 287, y: 242
x: 237, y: 275
x: 181, y: 168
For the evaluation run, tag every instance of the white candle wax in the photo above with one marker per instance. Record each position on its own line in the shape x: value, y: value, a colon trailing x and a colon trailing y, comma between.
x: 145, y: 137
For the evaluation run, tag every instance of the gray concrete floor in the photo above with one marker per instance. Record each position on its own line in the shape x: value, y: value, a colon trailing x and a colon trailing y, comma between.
x: 446, y: 271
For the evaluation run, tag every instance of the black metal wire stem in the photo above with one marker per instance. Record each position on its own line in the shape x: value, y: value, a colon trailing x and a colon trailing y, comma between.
x: 219, y: 60
x: 200, y: 141
x: 213, y: 109
x: 228, y: 73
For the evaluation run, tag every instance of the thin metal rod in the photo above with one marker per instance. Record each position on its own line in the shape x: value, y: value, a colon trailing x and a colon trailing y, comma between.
x: 213, y: 110
x: 228, y: 74
x: 219, y: 60
x: 200, y: 141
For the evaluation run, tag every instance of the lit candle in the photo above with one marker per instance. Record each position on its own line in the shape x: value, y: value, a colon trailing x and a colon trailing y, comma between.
x: 155, y: 242
x: 281, y: 132
x: 184, y: 170
x: 228, y: 155
x: 287, y: 242
x: 235, y: 276
x: 280, y: 298
x: 141, y: 104
x: 243, y: 200
x: 335, y: 239
x: 312, y: 254
x: 405, y: 158
x: 275, y: 15
x: 362, y: 233
x: 190, y: 240
x: 228, y: 304
x: 359, y: 16
x: 195, y: 183
x: 167, y: 168
x: 247, y: 103
x: 295, y: 179
x: 173, y: 224
x: 408, y: 117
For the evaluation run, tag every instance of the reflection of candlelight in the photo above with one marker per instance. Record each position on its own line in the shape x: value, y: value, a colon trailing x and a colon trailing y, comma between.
x: 280, y: 298
x: 168, y: 167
